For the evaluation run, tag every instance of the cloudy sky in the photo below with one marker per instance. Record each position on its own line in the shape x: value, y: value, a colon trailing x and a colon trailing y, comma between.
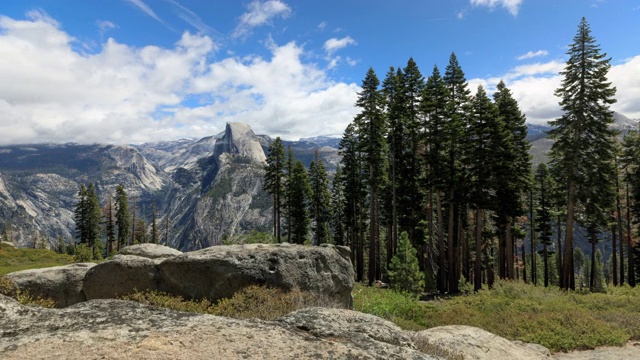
x: 132, y: 71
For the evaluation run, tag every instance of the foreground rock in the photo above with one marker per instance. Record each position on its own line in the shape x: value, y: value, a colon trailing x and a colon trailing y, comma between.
x: 476, y: 344
x: 63, y: 284
x: 218, y: 272
x: 115, y: 329
x: 631, y: 351
x: 151, y: 251
x: 122, y: 275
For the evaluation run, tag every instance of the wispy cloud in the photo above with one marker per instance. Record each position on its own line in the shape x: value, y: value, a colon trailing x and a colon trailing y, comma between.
x: 332, y: 45
x: 513, y: 6
x: 260, y: 13
x: 532, y: 54
x: 105, y: 25
x: 191, y: 18
x: 322, y: 26
x: 146, y: 9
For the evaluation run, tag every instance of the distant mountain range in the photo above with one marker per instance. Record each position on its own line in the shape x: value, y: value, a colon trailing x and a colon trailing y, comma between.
x: 541, y: 144
x: 206, y: 189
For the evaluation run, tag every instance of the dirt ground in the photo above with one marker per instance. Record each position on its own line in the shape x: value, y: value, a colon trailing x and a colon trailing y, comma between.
x: 629, y: 352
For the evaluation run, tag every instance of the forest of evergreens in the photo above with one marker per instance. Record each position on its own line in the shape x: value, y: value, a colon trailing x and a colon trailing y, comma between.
x: 429, y: 161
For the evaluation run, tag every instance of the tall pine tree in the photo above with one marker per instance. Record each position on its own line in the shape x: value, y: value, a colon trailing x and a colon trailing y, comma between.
x: 583, y: 140
x: 274, y: 179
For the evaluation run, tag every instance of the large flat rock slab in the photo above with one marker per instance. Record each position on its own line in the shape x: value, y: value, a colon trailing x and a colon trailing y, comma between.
x: 115, y: 329
x: 220, y: 271
x: 63, y: 284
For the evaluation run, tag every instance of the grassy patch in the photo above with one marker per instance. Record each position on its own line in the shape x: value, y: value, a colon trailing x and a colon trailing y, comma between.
x: 12, y: 259
x: 251, y: 302
x: 558, y: 320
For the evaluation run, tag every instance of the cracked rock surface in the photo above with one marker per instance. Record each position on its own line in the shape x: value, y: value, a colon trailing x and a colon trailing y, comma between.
x: 115, y: 329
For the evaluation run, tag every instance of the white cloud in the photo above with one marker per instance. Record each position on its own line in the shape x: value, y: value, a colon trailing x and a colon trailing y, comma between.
x: 534, y: 85
x: 322, y: 26
x: 532, y: 54
x: 124, y: 94
x: 513, y: 6
x: 260, y: 13
x: 332, y: 45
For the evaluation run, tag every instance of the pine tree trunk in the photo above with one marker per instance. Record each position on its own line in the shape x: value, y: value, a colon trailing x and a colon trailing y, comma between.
x: 477, y: 269
x: 372, y: 229
x: 559, y: 255
x: 546, y: 264
x: 502, y: 254
x: 614, y: 255
x: 524, y: 265
x: 532, y: 241
x: 275, y: 223
x: 442, y: 280
x: 509, y: 250
x: 630, y: 262
x: 569, y: 282
x: 451, y: 244
x: 360, y: 246
x: 592, y: 276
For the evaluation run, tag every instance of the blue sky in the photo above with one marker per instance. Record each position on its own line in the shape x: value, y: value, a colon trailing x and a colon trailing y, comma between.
x: 131, y: 71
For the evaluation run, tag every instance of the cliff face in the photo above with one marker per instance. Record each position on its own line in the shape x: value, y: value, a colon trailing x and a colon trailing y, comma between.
x: 227, y: 197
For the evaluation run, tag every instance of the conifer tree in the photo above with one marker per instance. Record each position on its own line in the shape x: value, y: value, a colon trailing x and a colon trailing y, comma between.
x: 354, y: 195
x: 80, y: 216
x: 404, y: 272
x: 123, y: 216
x: 434, y: 100
x: 154, y: 225
x: 274, y: 179
x: 291, y: 160
x: 631, y: 162
x: 109, y: 226
x: 337, y: 204
x: 371, y: 126
x: 394, y: 111
x: 299, y: 195
x: 411, y: 192
x: 583, y: 140
x: 140, y: 234
x: 320, y: 200
x: 483, y: 140
x: 456, y: 111
x: 512, y: 171
x: 94, y: 222
x: 544, y: 183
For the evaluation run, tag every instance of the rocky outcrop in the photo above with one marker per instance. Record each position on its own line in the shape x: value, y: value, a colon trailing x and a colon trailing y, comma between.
x: 150, y: 251
x: 114, y: 329
x: 120, y: 276
x: 471, y: 343
x: 63, y: 284
x: 218, y: 272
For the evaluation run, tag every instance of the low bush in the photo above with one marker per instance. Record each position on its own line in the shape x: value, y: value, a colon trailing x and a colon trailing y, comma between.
x: 251, y: 302
x: 8, y: 288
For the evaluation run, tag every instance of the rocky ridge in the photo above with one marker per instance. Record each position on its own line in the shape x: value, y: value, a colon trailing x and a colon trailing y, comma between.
x: 115, y: 329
